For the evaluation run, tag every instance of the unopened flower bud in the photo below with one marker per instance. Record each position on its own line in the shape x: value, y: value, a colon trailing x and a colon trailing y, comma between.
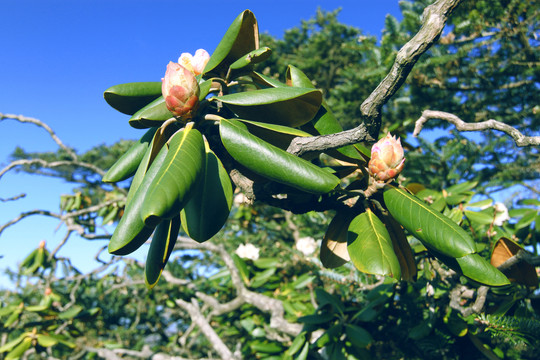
x: 387, y: 159
x: 195, y: 63
x: 180, y: 90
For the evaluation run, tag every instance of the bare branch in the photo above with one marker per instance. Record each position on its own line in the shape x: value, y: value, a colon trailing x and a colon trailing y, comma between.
x: 13, y: 198
x: 41, y: 124
x: 520, y: 139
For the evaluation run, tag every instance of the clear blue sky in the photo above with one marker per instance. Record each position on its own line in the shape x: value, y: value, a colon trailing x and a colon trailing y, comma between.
x: 59, y: 56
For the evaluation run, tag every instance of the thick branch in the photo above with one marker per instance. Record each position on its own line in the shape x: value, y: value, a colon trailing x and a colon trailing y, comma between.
x: 520, y: 139
x: 434, y: 20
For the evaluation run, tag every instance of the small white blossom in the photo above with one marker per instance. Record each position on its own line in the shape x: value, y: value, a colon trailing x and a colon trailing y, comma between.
x: 306, y: 245
x: 248, y: 251
x: 240, y: 199
x: 501, y: 214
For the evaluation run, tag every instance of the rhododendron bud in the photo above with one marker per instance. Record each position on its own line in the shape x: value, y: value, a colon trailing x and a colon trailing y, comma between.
x: 196, y: 63
x: 180, y: 90
x: 387, y: 159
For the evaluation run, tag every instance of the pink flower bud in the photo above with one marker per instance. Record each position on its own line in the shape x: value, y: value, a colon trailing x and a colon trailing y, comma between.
x: 387, y: 159
x: 196, y: 63
x: 180, y: 90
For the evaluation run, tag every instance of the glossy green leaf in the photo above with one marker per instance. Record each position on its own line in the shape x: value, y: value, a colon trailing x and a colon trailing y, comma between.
x: 172, y: 187
x: 286, y: 106
x: 204, y: 89
x: 253, y: 57
x: 241, y: 38
x: 479, y: 217
x: 11, y: 344
x: 476, y: 268
x: 131, y: 97
x: 160, y: 249
x: 266, y: 81
x: 434, y: 229
x: 461, y: 187
x: 20, y: 349
x: 152, y: 115
x: 46, y: 341
x: 370, y: 246
x: 209, y: 207
x: 131, y: 232
x: 277, y: 135
x: 358, y: 336
x: 71, y: 312
x: 402, y: 248
x: 273, y: 163
x: 128, y: 163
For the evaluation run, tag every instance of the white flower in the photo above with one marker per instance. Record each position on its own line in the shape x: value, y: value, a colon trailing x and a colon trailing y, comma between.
x: 248, y: 251
x: 240, y: 199
x: 501, y: 214
x: 306, y: 245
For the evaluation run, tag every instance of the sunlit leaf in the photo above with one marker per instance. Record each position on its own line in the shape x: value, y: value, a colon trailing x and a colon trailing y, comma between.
x: 172, y: 186
x: 127, y: 165
x: 433, y: 228
x: 286, y: 106
x: 370, y: 246
x: 274, y: 163
x: 129, y: 98
x: 152, y: 115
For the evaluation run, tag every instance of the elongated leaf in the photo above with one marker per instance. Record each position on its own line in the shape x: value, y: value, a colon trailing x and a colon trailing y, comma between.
x: 161, y: 248
x: 172, y: 187
x: 46, y: 341
x: 370, y: 246
x: 277, y: 135
x: 11, y: 344
x: 479, y: 269
x: 152, y: 115
x: 479, y: 217
x: 209, y: 207
x: 334, y: 251
x: 434, y: 229
x: 522, y: 272
x: 131, y: 97
x: 286, y: 106
x: 358, y: 336
x: 20, y: 349
x: 241, y: 38
x: 131, y: 232
x: 127, y: 165
x: 253, y: 57
x: 272, y: 162
x: 402, y: 248
x: 71, y: 312
x: 266, y: 81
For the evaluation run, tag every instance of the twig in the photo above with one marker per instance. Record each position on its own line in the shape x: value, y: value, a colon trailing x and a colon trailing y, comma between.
x: 41, y: 124
x: 520, y: 139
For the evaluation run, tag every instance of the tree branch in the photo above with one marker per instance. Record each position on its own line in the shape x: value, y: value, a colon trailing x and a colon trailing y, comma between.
x: 520, y: 139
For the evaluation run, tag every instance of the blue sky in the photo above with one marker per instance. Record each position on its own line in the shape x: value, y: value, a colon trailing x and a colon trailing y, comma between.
x: 59, y: 56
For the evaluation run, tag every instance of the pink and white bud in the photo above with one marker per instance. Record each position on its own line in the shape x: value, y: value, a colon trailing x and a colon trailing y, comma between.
x: 196, y: 63
x: 387, y: 158
x: 180, y: 90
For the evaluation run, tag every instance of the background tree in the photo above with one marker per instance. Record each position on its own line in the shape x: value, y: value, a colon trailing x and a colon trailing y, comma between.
x: 269, y: 307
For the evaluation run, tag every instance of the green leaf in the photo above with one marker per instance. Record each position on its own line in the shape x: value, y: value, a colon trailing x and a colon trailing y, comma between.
x: 152, y: 115
x: 479, y: 217
x: 277, y: 135
x: 241, y: 38
x: 127, y: 165
x: 461, y: 187
x: 160, y: 249
x: 370, y: 246
x: 358, y: 336
x: 478, y: 269
x: 274, y: 163
x: 129, y: 98
x: 172, y: 186
x: 20, y: 349
x: 209, y: 207
x: 288, y: 106
x: 253, y: 57
x: 10, y: 345
x: 131, y: 232
x: 435, y: 230
x: 297, y: 343
x: 46, y: 341
x: 267, y: 263
x: 266, y: 81
x: 71, y: 312
x: 325, y: 298
x: 204, y: 89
